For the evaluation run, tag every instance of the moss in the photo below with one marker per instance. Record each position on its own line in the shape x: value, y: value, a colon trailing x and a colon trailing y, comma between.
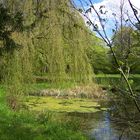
x: 62, y: 105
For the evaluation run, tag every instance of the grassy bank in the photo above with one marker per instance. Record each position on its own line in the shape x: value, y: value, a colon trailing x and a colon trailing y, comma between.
x: 26, y: 125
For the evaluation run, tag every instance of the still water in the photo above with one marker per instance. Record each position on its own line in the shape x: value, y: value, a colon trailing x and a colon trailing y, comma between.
x: 98, y: 126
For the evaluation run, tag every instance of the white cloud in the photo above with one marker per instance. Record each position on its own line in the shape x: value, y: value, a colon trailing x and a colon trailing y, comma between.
x: 113, y: 6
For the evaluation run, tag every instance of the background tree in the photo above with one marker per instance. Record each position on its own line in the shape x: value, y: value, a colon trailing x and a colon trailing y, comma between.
x: 99, y: 56
x: 126, y: 49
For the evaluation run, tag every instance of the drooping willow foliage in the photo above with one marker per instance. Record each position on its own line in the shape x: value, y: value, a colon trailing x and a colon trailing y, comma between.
x: 51, y: 39
x: 62, y: 43
x: 16, y: 50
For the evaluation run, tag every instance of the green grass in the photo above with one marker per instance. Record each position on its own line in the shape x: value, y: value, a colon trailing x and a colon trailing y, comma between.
x: 108, y: 80
x: 47, y: 85
x: 107, y: 75
x: 115, y: 75
x: 26, y: 125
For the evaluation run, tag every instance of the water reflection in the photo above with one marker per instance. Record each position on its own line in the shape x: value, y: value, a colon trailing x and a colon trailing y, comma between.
x: 99, y: 126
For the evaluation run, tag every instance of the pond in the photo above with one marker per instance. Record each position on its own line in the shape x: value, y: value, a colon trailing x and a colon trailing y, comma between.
x: 98, y: 126
x: 94, y: 117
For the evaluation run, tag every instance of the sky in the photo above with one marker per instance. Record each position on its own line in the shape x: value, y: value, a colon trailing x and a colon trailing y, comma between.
x: 111, y: 6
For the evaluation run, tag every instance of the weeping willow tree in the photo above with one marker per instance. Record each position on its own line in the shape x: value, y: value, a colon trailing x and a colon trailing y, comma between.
x: 61, y: 43
x: 42, y: 37
x: 16, y: 52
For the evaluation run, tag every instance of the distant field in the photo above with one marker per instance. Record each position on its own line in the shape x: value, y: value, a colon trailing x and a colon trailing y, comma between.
x: 108, y: 80
x: 115, y: 75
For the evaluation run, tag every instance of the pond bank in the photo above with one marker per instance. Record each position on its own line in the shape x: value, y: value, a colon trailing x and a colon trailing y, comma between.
x: 78, y: 91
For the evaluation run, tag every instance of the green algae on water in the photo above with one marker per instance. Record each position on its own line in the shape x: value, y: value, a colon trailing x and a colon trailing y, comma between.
x: 63, y: 105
